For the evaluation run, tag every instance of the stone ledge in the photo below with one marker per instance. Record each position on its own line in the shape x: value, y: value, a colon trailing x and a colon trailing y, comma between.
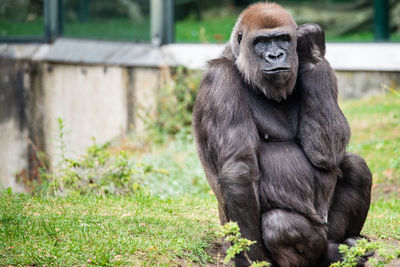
x: 342, y: 56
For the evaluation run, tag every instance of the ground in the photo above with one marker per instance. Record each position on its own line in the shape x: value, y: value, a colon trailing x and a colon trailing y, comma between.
x: 173, y: 219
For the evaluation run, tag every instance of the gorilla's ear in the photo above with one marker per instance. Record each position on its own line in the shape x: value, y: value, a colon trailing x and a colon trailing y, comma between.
x: 240, y: 35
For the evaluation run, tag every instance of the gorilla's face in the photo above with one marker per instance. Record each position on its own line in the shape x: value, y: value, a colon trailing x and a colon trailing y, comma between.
x: 275, y: 51
x: 264, y: 43
x: 276, y: 60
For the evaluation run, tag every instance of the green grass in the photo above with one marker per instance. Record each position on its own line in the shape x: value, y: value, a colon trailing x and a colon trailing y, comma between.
x: 175, y: 223
x: 185, y: 174
x: 375, y: 124
x: 136, y: 230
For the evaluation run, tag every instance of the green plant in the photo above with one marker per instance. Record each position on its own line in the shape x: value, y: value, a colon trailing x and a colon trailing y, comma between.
x: 351, y: 255
x: 232, y: 234
x: 98, y: 171
x: 174, y: 106
x: 101, y: 172
x: 384, y: 254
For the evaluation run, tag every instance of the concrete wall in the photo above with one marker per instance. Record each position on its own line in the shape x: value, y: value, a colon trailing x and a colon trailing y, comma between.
x: 91, y: 101
x: 101, y: 102
x: 105, y: 89
x: 357, y: 84
x: 13, y: 121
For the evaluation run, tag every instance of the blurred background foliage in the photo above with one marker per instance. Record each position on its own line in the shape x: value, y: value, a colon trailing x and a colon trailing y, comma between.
x: 195, y: 20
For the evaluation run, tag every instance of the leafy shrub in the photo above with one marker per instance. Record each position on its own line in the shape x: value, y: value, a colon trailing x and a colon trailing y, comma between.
x: 352, y: 254
x: 175, y: 105
x: 98, y: 171
x: 383, y: 254
x: 232, y: 234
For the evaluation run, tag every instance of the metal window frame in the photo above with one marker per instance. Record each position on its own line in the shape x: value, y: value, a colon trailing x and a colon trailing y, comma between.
x: 162, y: 22
x: 381, y: 20
x: 53, y: 19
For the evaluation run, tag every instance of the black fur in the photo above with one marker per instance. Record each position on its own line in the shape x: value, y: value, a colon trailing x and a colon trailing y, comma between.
x: 277, y: 164
x: 291, y: 239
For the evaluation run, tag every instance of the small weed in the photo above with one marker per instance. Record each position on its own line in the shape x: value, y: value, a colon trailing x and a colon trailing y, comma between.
x: 384, y: 254
x: 351, y: 255
x: 239, y: 244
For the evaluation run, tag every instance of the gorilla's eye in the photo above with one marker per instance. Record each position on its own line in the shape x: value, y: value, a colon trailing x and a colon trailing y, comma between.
x: 240, y: 37
x: 284, y: 38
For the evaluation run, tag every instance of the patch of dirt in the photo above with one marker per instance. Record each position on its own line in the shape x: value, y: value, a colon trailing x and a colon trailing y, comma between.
x: 393, y: 242
x: 384, y: 189
x: 218, y: 254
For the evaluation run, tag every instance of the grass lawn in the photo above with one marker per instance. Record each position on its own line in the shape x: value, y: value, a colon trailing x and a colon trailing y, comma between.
x: 375, y: 124
x: 132, y: 230
x: 176, y: 223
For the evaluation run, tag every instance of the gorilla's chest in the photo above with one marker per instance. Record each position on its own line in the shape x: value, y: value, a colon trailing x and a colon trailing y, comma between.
x: 275, y: 121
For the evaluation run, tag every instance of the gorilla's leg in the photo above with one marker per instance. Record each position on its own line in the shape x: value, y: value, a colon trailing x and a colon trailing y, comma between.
x: 239, y: 204
x: 351, y: 199
x: 349, y: 208
x: 291, y: 240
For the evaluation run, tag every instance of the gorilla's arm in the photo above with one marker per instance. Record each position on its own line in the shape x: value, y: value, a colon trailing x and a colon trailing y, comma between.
x: 323, y: 130
x: 227, y: 142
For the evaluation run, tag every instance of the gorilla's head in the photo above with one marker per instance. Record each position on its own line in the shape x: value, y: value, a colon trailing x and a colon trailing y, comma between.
x: 263, y: 42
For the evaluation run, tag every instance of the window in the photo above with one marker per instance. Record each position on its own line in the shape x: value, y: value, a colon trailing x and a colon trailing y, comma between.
x: 105, y: 19
x: 343, y: 20
x: 199, y: 21
x: 22, y: 19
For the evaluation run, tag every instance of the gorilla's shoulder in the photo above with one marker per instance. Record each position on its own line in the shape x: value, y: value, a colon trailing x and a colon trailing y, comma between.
x: 222, y: 63
x: 222, y: 82
x: 222, y: 70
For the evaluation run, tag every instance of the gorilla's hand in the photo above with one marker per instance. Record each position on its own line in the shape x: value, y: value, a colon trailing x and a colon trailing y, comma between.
x: 310, y: 43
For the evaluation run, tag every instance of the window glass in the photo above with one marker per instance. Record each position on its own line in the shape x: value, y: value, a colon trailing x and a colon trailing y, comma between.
x: 342, y: 20
x: 107, y: 19
x: 21, y: 18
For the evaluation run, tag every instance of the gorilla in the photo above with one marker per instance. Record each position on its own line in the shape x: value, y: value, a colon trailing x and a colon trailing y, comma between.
x: 272, y: 141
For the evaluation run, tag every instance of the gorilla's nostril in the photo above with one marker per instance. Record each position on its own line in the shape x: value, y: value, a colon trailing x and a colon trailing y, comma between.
x: 274, y: 55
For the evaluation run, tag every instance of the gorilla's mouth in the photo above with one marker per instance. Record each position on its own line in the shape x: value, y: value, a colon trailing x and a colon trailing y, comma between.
x: 276, y: 70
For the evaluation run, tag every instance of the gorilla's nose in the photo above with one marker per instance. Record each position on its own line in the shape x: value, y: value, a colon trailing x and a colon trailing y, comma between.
x: 277, y: 55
